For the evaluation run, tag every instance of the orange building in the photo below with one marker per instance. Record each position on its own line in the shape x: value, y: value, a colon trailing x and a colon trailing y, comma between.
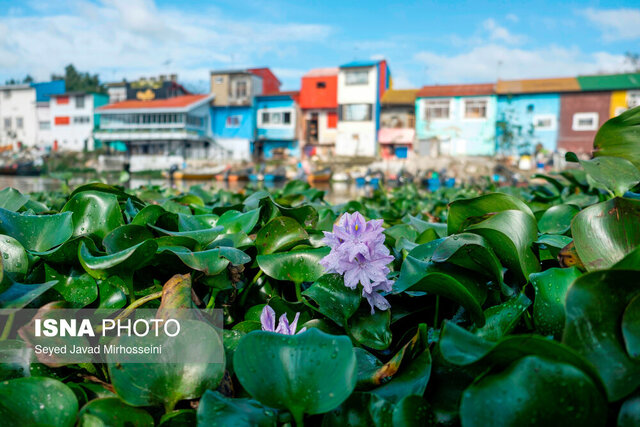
x: 319, y: 104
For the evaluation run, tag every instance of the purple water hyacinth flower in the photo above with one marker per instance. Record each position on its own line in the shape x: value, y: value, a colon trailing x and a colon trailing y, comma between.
x: 359, y: 254
x: 268, y: 321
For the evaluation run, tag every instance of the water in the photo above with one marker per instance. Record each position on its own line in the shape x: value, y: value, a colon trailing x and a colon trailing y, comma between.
x: 337, y: 192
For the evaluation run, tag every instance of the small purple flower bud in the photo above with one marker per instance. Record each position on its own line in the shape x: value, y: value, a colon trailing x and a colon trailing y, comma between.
x: 268, y: 320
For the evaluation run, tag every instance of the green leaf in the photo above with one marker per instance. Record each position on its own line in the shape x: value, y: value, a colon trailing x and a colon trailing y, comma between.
x: 296, y: 266
x: 371, y: 330
x: 604, y: 233
x: 125, y: 237
x: 123, y: 262
x: 148, y: 215
x: 216, y: 409
x: 94, y: 213
x: 465, y: 212
x: 11, y: 199
x: 629, y: 415
x: 631, y: 328
x: 618, y: 137
x: 557, y: 219
x: 511, y: 234
x: 203, y: 237
x: 210, y: 261
x: 15, y: 262
x: 113, y: 412
x: 503, y: 318
x: 15, y: 359
x: 361, y: 410
x: 37, y: 233
x: 37, y: 401
x: 333, y: 298
x: 235, y: 222
x: 534, y: 391
x: 551, y: 288
x: 19, y: 294
x: 291, y: 371
x: 615, y: 174
x: 76, y: 288
x: 281, y: 233
x: 412, y: 411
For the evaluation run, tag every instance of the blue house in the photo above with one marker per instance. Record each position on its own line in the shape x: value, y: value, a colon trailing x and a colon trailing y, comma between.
x: 529, y: 112
x: 233, y: 127
x: 277, y: 117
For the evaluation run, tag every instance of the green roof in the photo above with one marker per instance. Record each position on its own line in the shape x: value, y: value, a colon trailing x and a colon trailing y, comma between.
x: 610, y: 82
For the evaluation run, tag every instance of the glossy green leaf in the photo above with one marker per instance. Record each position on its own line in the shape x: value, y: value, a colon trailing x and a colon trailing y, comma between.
x: 631, y: 328
x: 371, y: 330
x: 534, y: 391
x: 78, y: 288
x: 618, y: 137
x: 217, y: 410
x: 37, y: 233
x: 11, y: 199
x: 502, y: 319
x: 551, y: 288
x: 94, y: 213
x: 557, y: 219
x: 615, y: 174
x: 15, y: 262
x: 235, y: 222
x: 465, y: 212
x: 629, y: 415
x: 126, y: 261
x: 37, y: 401
x: 279, y: 234
x: 148, y: 215
x: 291, y: 371
x: 333, y: 299
x: 604, y: 233
x: 125, y: 237
x: 15, y: 359
x: 203, y: 237
x: 111, y: 411
x: 19, y: 294
x: 361, y: 410
x: 412, y: 411
x: 296, y: 266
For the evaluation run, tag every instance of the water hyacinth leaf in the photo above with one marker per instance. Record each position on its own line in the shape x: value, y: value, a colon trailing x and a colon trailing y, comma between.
x: 111, y: 293
x: 163, y: 383
x: 235, y: 222
x: 37, y: 233
x: 412, y: 411
x: 148, y: 215
x: 615, y: 174
x: 15, y: 359
x: 631, y: 328
x: 370, y: 372
x: 629, y: 415
x: 371, y: 330
x: 416, y: 265
x: 109, y: 189
x: 125, y: 237
x: 178, y: 418
x: 203, y: 237
x: 333, y: 299
x: 291, y: 371
x: 15, y: 262
x: 94, y: 213
x: 210, y: 261
x: 296, y: 266
x: 176, y: 294
x: 12, y: 200
x: 502, y: 319
x: 557, y: 219
x: 124, y: 262
x: 111, y: 411
x: 279, y: 234
x: 39, y: 401
x: 465, y: 212
x: 78, y: 288
x: 534, y: 391
x: 236, y: 240
x: 553, y: 242
x: 19, y: 295
x: 66, y: 253
x: 511, y: 234
x: 618, y: 137
x: 361, y: 410
x: 216, y: 409
x: 421, y: 226
x: 551, y: 288
x: 604, y: 233
x: 399, y: 231
x: 196, y: 222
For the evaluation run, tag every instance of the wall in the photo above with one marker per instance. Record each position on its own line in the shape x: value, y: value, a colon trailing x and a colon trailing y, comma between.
x: 313, y: 97
x: 618, y: 102
x: 73, y: 136
x: 18, y: 103
x: 458, y: 135
x: 235, y: 139
x: 516, y: 110
x: 276, y: 132
x: 584, y: 102
x: 397, y: 116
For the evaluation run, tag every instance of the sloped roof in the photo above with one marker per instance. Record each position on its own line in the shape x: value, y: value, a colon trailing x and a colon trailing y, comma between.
x: 456, y: 90
x: 262, y: 72
x: 399, y: 96
x: 564, y: 84
x: 610, y: 82
x: 176, y: 102
x: 322, y: 72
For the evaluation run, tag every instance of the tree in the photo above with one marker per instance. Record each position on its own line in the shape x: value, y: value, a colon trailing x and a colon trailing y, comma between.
x: 633, y: 59
x: 79, y: 81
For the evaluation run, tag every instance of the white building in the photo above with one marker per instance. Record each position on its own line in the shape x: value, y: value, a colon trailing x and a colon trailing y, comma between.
x: 361, y: 84
x: 18, y: 122
x: 73, y: 119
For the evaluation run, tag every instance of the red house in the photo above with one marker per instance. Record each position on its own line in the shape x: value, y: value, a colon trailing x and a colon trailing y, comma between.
x: 270, y: 83
x: 581, y: 115
x: 319, y: 104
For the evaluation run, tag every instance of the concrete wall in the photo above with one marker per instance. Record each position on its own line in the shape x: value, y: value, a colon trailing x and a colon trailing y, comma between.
x: 18, y: 104
x: 276, y: 131
x: 571, y: 138
x: 74, y: 136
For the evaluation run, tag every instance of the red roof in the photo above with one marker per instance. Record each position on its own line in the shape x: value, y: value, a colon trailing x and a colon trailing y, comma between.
x: 457, y: 90
x: 270, y: 82
x: 175, y: 102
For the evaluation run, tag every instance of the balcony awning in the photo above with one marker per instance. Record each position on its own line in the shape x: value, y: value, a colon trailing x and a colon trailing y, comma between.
x: 396, y: 136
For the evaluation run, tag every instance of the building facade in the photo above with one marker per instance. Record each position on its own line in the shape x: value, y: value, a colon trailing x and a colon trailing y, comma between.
x: 624, y: 89
x: 361, y: 85
x: 456, y: 120
x: 161, y: 130
x: 146, y: 89
x: 73, y: 119
x: 581, y: 115
x: 319, y: 104
x: 279, y: 124
x: 397, y: 123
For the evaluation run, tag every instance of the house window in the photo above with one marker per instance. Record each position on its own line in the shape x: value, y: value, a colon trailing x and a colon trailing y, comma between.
x: 241, y: 89
x: 356, y: 112
x: 321, y: 85
x: 585, y: 121
x: 286, y: 118
x: 7, y: 123
x: 357, y: 77
x: 78, y: 120
x: 80, y: 101
x: 275, y: 118
x: 19, y: 123
x: 233, y: 121
x: 544, y: 122
x: 265, y: 118
x: 61, y: 100
x: 475, y: 109
x: 45, y: 125
x: 436, y: 109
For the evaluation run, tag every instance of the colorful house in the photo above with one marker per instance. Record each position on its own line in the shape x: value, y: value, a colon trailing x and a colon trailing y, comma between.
x: 397, y: 123
x: 233, y: 111
x: 361, y: 85
x: 625, y: 89
x: 74, y: 118
x: 319, y: 104
x: 456, y: 120
x: 279, y: 124
x: 581, y: 115
x: 529, y: 112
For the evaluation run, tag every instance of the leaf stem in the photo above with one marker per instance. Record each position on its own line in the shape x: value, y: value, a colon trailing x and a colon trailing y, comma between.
x: 298, y: 291
x: 137, y: 303
x: 245, y: 291
x: 298, y: 418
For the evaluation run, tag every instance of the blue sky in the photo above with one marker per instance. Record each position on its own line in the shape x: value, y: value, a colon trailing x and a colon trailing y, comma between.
x: 425, y: 42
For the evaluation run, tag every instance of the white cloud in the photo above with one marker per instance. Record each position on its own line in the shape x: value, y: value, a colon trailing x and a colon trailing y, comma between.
x: 513, y: 18
x: 615, y: 24
x: 488, y: 62
x: 131, y: 38
x: 501, y: 34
